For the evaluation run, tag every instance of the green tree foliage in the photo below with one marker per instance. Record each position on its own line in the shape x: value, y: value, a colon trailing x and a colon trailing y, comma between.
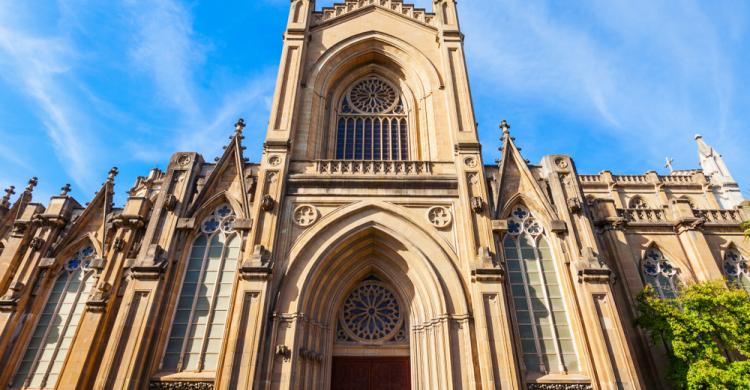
x: 707, y: 333
x: 746, y: 228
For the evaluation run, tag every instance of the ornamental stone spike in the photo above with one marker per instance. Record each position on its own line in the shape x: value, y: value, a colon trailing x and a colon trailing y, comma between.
x: 32, y: 183
x: 10, y: 191
x: 505, y: 127
x: 239, y: 126
x: 112, y: 173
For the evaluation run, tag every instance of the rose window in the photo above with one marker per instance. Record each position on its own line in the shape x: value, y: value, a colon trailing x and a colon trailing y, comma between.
x: 371, y: 313
x: 373, y: 96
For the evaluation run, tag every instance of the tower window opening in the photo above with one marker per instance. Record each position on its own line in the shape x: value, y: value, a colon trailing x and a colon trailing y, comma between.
x: 372, y: 122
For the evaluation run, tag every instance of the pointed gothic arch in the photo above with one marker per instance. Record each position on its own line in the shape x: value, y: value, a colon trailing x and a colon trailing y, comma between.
x: 395, y: 59
x: 48, y: 346
x: 365, y: 239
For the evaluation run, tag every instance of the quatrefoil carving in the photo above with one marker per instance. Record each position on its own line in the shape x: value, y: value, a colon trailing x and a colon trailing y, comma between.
x: 439, y: 216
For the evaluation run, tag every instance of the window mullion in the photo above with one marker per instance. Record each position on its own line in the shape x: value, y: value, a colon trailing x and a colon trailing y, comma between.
x: 35, y: 364
x: 529, y: 304
x: 195, y: 302
x: 65, y: 326
x: 553, y: 323
x: 212, y: 304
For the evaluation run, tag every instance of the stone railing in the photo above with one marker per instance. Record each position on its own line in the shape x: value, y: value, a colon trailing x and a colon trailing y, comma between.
x: 644, y: 215
x: 341, y: 9
x: 631, y: 179
x: 676, y: 179
x: 374, y: 168
x: 589, y: 179
x: 730, y: 217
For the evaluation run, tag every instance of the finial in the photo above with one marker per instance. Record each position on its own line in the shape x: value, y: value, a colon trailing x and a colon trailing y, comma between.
x: 10, y: 191
x: 239, y: 125
x: 32, y: 183
x: 65, y: 189
x: 112, y: 173
x: 505, y: 127
x: 698, y: 136
x: 669, y: 164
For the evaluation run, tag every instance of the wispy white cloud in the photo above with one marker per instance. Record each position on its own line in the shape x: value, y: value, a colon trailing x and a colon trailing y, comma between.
x: 39, y: 65
x: 645, y: 72
x: 165, y: 48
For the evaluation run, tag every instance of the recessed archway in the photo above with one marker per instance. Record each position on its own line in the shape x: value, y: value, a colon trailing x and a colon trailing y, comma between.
x: 352, y: 245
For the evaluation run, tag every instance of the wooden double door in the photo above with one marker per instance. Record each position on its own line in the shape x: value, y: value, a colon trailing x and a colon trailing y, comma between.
x: 370, y: 373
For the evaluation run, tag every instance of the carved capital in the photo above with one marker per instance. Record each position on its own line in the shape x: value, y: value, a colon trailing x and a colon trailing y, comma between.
x: 477, y: 204
x: 267, y: 203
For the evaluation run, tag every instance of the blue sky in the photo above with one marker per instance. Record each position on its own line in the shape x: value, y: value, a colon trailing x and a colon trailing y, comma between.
x: 86, y: 85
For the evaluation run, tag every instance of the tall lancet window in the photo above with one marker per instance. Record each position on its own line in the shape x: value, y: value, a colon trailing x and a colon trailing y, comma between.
x: 541, y: 317
x: 736, y: 269
x: 659, y: 272
x: 372, y: 123
x: 53, y: 335
x: 201, y: 314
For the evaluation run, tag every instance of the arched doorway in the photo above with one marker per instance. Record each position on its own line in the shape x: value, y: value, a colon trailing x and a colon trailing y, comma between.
x: 371, y: 348
x: 330, y: 260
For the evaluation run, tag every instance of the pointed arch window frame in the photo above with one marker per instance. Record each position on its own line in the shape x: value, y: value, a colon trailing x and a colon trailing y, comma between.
x: 534, y: 233
x: 656, y: 268
x: 406, y: 149
x: 739, y: 275
x: 218, y: 223
x: 78, y: 264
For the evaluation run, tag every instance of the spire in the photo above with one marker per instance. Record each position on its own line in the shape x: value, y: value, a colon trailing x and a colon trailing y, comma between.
x: 725, y: 187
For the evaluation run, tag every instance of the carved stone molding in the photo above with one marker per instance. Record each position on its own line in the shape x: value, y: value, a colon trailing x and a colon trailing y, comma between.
x: 36, y: 243
x: 305, y: 215
x: 180, y: 385
x: 151, y: 265
x: 439, y: 216
x: 477, y: 204
x: 10, y: 299
x: 267, y: 203
x: 559, y: 386
x: 98, y: 298
x: 258, y: 266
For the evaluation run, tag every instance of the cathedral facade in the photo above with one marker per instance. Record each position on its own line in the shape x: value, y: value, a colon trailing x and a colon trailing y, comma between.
x: 369, y: 248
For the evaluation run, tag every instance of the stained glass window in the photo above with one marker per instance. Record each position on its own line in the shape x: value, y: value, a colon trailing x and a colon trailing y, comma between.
x: 371, y: 314
x: 54, y: 331
x: 542, y: 321
x: 372, y: 123
x: 659, y: 273
x: 200, y: 317
x: 736, y: 269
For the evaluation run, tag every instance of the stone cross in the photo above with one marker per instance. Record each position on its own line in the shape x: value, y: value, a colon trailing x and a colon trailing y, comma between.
x: 65, y: 189
x: 10, y: 191
x: 32, y: 183
x: 669, y: 164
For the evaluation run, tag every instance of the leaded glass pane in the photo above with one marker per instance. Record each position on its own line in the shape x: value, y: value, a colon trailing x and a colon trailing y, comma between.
x: 372, y: 122
x: 538, y: 304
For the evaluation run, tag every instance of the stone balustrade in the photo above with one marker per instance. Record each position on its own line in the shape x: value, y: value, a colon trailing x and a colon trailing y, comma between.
x: 726, y: 217
x: 644, y: 215
x: 341, y: 9
x: 374, y: 168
